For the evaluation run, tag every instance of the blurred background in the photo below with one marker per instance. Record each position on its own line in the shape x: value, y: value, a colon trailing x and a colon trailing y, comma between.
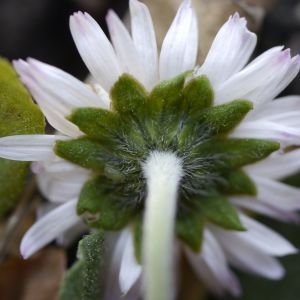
x: 39, y: 29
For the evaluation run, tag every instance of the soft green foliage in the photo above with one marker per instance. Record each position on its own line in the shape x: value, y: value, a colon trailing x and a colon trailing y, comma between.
x: 176, y: 116
x: 18, y: 115
x: 239, y: 183
x: 128, y: 96
x: 83, y: 151
x: 190, y: 229
x: 219, y: 211
x: 197, y: 95
x: 84, y: 280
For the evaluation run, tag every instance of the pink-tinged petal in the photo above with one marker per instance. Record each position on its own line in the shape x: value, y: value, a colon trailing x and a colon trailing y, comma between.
x: 268, y: 130
x: 280, y: 106
x: 266, y: 209
x: 279, y: 81
x: 126, y: 52
x: 276, y: 166
x: 229, y: 52
x: 130, y: 270
x: 53, y: 107
x: 65, y: 88
x: 144, y: 39
x: 180, y: 46
x: 95, y: 49
x: 260, y: 75
x: 34, y: 147
x: 49, y: 227
x: 245, y: 256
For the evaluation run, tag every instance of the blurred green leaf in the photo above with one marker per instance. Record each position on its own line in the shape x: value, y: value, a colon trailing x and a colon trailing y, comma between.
x: 18, y: 115
x: 83, y: 280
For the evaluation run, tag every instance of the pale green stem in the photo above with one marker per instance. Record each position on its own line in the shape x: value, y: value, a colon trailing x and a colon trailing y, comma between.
x: 163, y: 172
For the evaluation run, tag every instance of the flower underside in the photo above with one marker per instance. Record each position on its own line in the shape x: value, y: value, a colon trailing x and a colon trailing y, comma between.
x: 175, y: 117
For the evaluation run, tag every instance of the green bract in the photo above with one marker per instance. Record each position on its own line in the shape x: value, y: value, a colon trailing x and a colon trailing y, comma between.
x: 176, y: 117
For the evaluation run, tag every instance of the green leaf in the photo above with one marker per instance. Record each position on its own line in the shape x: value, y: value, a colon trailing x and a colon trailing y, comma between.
x: 222, y: 119
x: 84, y: 280
x: 104, y: 205
x: 189, y: 228
x: 219, y: 211
x: 83, y: 152
x: 239, y: 183
x: 18, y: 115
x: 235, y: 153
x: 128, y: 96
x: 198, y: 94
x: 97, y: 123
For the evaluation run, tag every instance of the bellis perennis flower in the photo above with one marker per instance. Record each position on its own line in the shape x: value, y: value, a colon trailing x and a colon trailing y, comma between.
x: 161, y: 148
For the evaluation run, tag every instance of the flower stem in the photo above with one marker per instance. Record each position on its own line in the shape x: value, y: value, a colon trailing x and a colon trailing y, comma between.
x: 163, y: 172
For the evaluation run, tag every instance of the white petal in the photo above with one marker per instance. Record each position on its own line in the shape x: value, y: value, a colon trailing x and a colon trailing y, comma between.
x: 276, y: 166
x: 279, y: 106
x: 268, y: 130
x: 265, y: 209
x: 61, y: 187
x: 58, y: 165
x: 49, y: 227
x: 229, y: 52
x: 127, y: 54
x: 179, y: 48
x: 261, y: 74
x: 213, y: 255
x: 245, y: 256
x: 130, y: 270
x: 263, y: 238
x: 276, y: 193
x: 143, y: 36
x: 95, y: 49
x: 33, y: 147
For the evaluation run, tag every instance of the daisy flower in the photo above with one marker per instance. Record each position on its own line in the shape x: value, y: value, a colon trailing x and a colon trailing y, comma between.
x: 173, y: 154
